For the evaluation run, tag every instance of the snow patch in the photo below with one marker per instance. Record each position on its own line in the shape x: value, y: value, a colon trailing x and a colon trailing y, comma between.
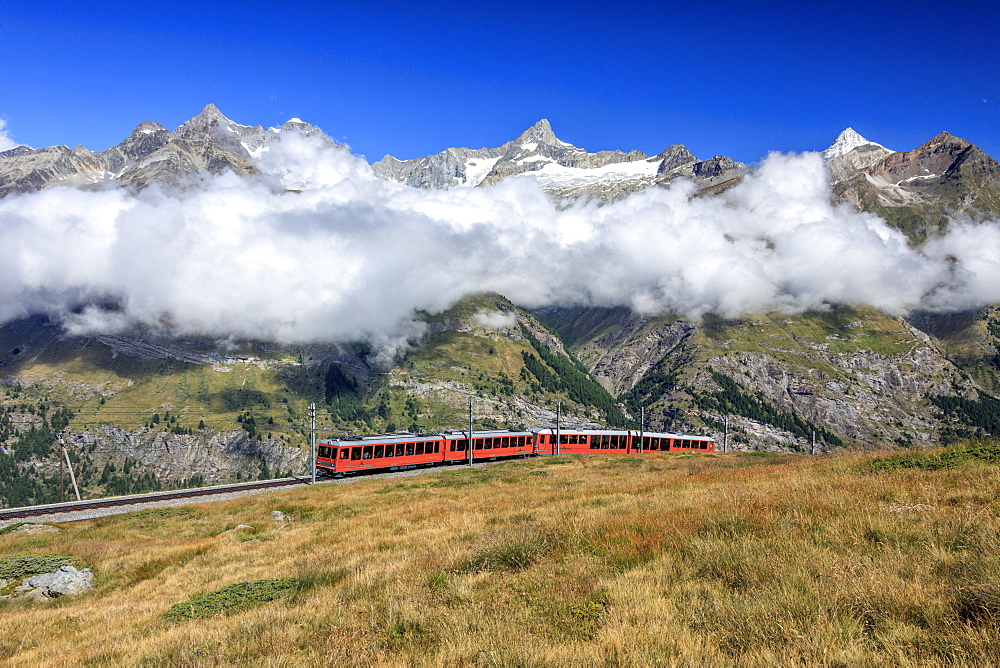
x: 847, y: 141
x: 554, y: 175
x: 476, y: 169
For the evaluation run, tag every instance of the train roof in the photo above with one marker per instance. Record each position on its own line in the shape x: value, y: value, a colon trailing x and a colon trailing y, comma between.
x: 385, y: 438
x: 656, y: 434
x: 620, y: 432
x: 419, y: 438
x: 486, y: 433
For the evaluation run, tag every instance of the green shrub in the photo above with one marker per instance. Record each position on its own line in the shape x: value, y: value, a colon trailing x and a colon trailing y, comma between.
x: 232, y: 599
x: 20, y: 565
x: 948, y: 459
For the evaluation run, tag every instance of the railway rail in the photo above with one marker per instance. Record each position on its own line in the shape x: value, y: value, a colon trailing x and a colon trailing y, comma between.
x: 150, y: 497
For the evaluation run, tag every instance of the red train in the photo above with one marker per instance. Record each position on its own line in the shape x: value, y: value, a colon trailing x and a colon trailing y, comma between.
x: 409, y: 451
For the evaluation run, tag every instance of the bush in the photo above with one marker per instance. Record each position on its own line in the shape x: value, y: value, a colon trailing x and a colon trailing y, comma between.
x: 20, y: 565
x: 232, y: 599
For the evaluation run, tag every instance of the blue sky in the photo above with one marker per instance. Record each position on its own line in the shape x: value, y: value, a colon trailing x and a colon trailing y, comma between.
x: 731, y: 78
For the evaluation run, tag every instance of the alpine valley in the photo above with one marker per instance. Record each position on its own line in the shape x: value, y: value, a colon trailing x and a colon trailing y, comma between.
x: 143, y: 409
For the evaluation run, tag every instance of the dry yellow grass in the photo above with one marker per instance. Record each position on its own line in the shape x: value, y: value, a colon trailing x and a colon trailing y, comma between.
x: 603, y: 560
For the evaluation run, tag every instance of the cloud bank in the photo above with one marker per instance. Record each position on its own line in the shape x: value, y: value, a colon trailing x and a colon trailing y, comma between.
x: 317, y: 248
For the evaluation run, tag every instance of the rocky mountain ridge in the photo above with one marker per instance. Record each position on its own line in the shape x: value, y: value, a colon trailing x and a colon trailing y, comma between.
x: 208, y: 142
x: 562, y: 169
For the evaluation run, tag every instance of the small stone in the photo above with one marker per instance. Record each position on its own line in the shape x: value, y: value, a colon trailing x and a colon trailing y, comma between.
x: 241, y: 527
x: 279, y: 516
x: 32, y: 529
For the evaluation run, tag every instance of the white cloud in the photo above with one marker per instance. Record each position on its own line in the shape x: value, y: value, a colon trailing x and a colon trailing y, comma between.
x: 6, y: 142
x: 495, y: 319
x: 351, y: 256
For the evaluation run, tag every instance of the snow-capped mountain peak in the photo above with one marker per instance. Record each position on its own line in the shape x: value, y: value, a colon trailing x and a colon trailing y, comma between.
x: 847, y: 141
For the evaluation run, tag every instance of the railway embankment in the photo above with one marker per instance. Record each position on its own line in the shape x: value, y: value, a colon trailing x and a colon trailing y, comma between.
x: 739, y: 558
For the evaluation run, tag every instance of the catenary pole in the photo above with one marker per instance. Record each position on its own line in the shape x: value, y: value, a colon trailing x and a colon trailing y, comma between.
x: 312, y: 438
x: 558, y: 437
x: 725, y: 437
x: 470, y: 432
x: 642, y: 424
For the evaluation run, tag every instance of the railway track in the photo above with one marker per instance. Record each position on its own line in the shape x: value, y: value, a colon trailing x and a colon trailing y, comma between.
x: 71, y: 511
x: 151, y: 497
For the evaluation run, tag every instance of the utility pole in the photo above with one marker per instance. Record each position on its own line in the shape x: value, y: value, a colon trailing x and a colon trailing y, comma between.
x: 470, y: 432
x: 642, y: 424
x: 813, y: 451
x: 312, y: 438
x: 558, y: 438
x: 725, y: 437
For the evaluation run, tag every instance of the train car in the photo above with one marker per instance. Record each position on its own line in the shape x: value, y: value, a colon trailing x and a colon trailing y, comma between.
x: 659, y: 442
x: 379, y: 453
x: 579, y: 441
x: 407, y: 451
x: 487, y: 445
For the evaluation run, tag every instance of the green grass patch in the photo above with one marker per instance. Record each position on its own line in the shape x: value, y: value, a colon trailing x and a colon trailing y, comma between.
x: 232, y: 599
x: 11, y: 527
x: 21, y: 565
x: 463, y: 479
x: 935, y: 461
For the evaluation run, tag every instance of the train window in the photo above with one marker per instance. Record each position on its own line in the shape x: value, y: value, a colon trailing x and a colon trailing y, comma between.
x: 324, y: 451
x: 477, y: 443
x: 379, y: 451
x: 356, y: 452
x: 451, y: 446
x: 344, y: 453
x: 436, y: 447
x: 409, y: 448
x: 461, y: 446
x: 420, y: 448
x: 367, y: 452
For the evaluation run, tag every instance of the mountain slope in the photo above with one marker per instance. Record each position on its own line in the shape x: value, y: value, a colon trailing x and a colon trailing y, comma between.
x: 919, y: 191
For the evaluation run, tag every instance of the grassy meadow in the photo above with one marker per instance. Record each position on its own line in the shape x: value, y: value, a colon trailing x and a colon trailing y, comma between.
x: 721, y: 559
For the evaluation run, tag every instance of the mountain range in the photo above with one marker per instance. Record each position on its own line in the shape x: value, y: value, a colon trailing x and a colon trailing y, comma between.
x: 850, y: 376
